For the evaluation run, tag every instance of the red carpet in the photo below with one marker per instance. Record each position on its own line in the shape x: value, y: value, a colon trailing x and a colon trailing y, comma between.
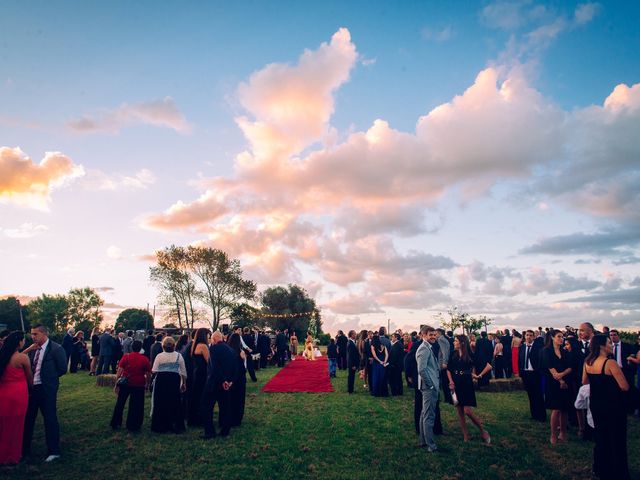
x: 301, y: 375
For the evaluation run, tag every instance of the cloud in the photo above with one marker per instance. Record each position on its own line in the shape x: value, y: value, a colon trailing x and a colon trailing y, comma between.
x: 599, y: 243
x: 627, y: 299
x: 291, y: 105
x: 25, y: 230
x: 114, y: 252
x: 505, y: 15
x: 158, y: 113
x: 25, y: 183
x: 438, y: 35
x: 586, y: 12
x: 98, y: 180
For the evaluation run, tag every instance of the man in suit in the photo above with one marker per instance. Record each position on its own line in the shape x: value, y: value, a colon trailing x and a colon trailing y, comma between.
x: 156, y: 348
x: 411, y: 369
x: 341, y: 343
x: 429, y: 385
x: 147, y: 342
x: 250, y: 344
x: 117, y: 352
x: 264, y: 348
x: 484, y: 355
x: 586, y: 333
x: 48, y: 363
x: 353, y: 360
x: 443, y: 359
x: 620, y: 352
x: 529, y: 368
x: 506, y: 340
x: 106, y: 351
x: 67, y: 342
x: 395, y: 365
x: 221, y: 371
x: 281, y: 347
x: 127, y: 343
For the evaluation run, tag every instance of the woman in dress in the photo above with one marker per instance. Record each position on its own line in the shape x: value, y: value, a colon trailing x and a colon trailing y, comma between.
x: 380, y: 356
x: 15, y: 378
x: 308, y: 348
x: 78, y: 348
x: 170, y: 380
x: 515, y: 351
x: 293, y: 343
x: 556, y: 366
x: 608, y: 409
x: 199, y: 361
x: 95, y: 350
x: 461, y: 370
x: 498, y: 358
x: 362, y: 350
x: 238, y: 390
x: 136, y: 368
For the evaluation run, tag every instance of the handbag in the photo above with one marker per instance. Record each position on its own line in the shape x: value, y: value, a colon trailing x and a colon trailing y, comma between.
x: 454, y: 398
x: 122, y: 381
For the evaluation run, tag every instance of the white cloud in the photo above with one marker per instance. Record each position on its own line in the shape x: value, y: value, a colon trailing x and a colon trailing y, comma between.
x: 25, y: 230
x: 25, y: 183
x: 158, y: 113
x: 114, y: 252
x: 99, y: 180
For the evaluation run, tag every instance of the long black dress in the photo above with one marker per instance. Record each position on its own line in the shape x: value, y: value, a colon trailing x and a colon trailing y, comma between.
x: 166, y: 413
x: 461, y: 371
x: 197, y: 387
x: 610, y: 418
x: 238, y: 393
x: 555, y: 398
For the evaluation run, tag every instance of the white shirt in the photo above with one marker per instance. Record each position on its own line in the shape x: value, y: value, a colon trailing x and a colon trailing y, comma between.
x: 528, y: 366
x: 582, y: 402
x: 37, y: 367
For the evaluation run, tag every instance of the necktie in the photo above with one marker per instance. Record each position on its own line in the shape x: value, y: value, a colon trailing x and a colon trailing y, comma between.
x: 526, y: 357
x: 615, y: 352
x: 36, y: 357
x: 586, y: 346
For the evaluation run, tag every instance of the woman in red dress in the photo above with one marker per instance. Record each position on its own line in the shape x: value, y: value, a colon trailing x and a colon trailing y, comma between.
x: 515, y: 351
x: 15, y: 376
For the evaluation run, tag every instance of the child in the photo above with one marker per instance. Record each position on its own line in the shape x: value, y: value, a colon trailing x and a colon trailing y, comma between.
x: 332, y: 355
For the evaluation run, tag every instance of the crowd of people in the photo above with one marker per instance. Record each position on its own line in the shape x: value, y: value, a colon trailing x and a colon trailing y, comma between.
x: 580, y: 376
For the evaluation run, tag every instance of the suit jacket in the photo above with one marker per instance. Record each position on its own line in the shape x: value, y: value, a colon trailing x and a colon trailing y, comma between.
x: 395, y: 355
x: 534, y: 356
x: 222, y: 366
x: 506, y: 345
x: 384, y: 340
x: 445, y: 351
x: 146, y: 345
x: 126, y: 345
x: 281, y: 341
x: 249, y: 341
x: 626, y: 350
x: 410, y: 364
x: 428, y: 369
x: 353, y: 356
x: 106, y: 345
x: 54, y: 365
x: 264, y: 344
x: 484, y: 350
x: 341, y: 343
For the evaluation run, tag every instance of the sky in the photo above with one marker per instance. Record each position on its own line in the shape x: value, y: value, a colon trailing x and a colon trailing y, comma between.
x: 395, y: 159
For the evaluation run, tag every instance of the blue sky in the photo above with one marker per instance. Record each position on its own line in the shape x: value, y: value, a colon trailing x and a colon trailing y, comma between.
x: 490, y: 121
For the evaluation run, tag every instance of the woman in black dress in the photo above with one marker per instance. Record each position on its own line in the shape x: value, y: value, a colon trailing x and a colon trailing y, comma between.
x: 95, y: 350
x: 607, y: 383
x: 556, y: 366
x: 380, y: 356
x: 461, y: 371
x: 199, y: 361
x: 239, y: 386
x: 169, y: 382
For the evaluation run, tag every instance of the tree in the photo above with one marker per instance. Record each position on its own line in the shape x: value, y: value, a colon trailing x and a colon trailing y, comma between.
x: 10, y: 314
x: 134, y: 319
x: 458, y: 319
x: 244, y: 315
x: 83, y: 309
x: 294, y: 310
x: 175, y: 281
x: 223, y: 284
x: 50, y: 311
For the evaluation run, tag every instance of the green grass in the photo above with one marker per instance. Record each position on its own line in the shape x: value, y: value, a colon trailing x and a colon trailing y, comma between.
x: 294, y: 436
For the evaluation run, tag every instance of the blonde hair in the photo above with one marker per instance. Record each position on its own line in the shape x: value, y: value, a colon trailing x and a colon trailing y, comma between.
x: 168, y: 344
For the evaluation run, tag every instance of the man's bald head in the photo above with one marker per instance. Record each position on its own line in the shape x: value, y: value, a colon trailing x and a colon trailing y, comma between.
x: 216, y: 337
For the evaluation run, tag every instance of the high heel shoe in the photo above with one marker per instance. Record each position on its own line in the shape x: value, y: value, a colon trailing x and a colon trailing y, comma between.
x: 486, y: 438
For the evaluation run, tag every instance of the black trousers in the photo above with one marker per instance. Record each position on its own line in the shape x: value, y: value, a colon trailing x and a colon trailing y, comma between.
x: 417, y: 406
x: 342, y: 360
x: 135, y: 415
x: 507, y: 366
x: 104, y: 361
x: 44, y: 399
x: 498, y: 366
x: 280, y: 353
x: 395, y: 380
x: 251, y: 368
x: 209, y: 400
x: 533, y: 385
x: 444, y: 381
x: 263, y: 359
x: 351, y: 378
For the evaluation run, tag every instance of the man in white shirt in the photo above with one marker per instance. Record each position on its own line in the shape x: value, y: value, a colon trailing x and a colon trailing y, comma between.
x: 48, y: 363
x: 529, y: 367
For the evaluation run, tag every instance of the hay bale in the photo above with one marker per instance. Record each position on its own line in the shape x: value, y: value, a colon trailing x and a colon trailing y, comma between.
x: 503, y: 385
x: 106, y: 380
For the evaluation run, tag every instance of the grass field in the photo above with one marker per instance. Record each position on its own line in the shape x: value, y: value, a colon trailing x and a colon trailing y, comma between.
x: 293, y: 436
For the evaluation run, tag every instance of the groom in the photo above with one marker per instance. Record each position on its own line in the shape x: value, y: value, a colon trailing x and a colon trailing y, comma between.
x: 429, y: 385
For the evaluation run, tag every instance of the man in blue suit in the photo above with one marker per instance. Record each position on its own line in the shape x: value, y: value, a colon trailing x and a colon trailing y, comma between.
x: 48, y: 363
x: 429, y: 385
